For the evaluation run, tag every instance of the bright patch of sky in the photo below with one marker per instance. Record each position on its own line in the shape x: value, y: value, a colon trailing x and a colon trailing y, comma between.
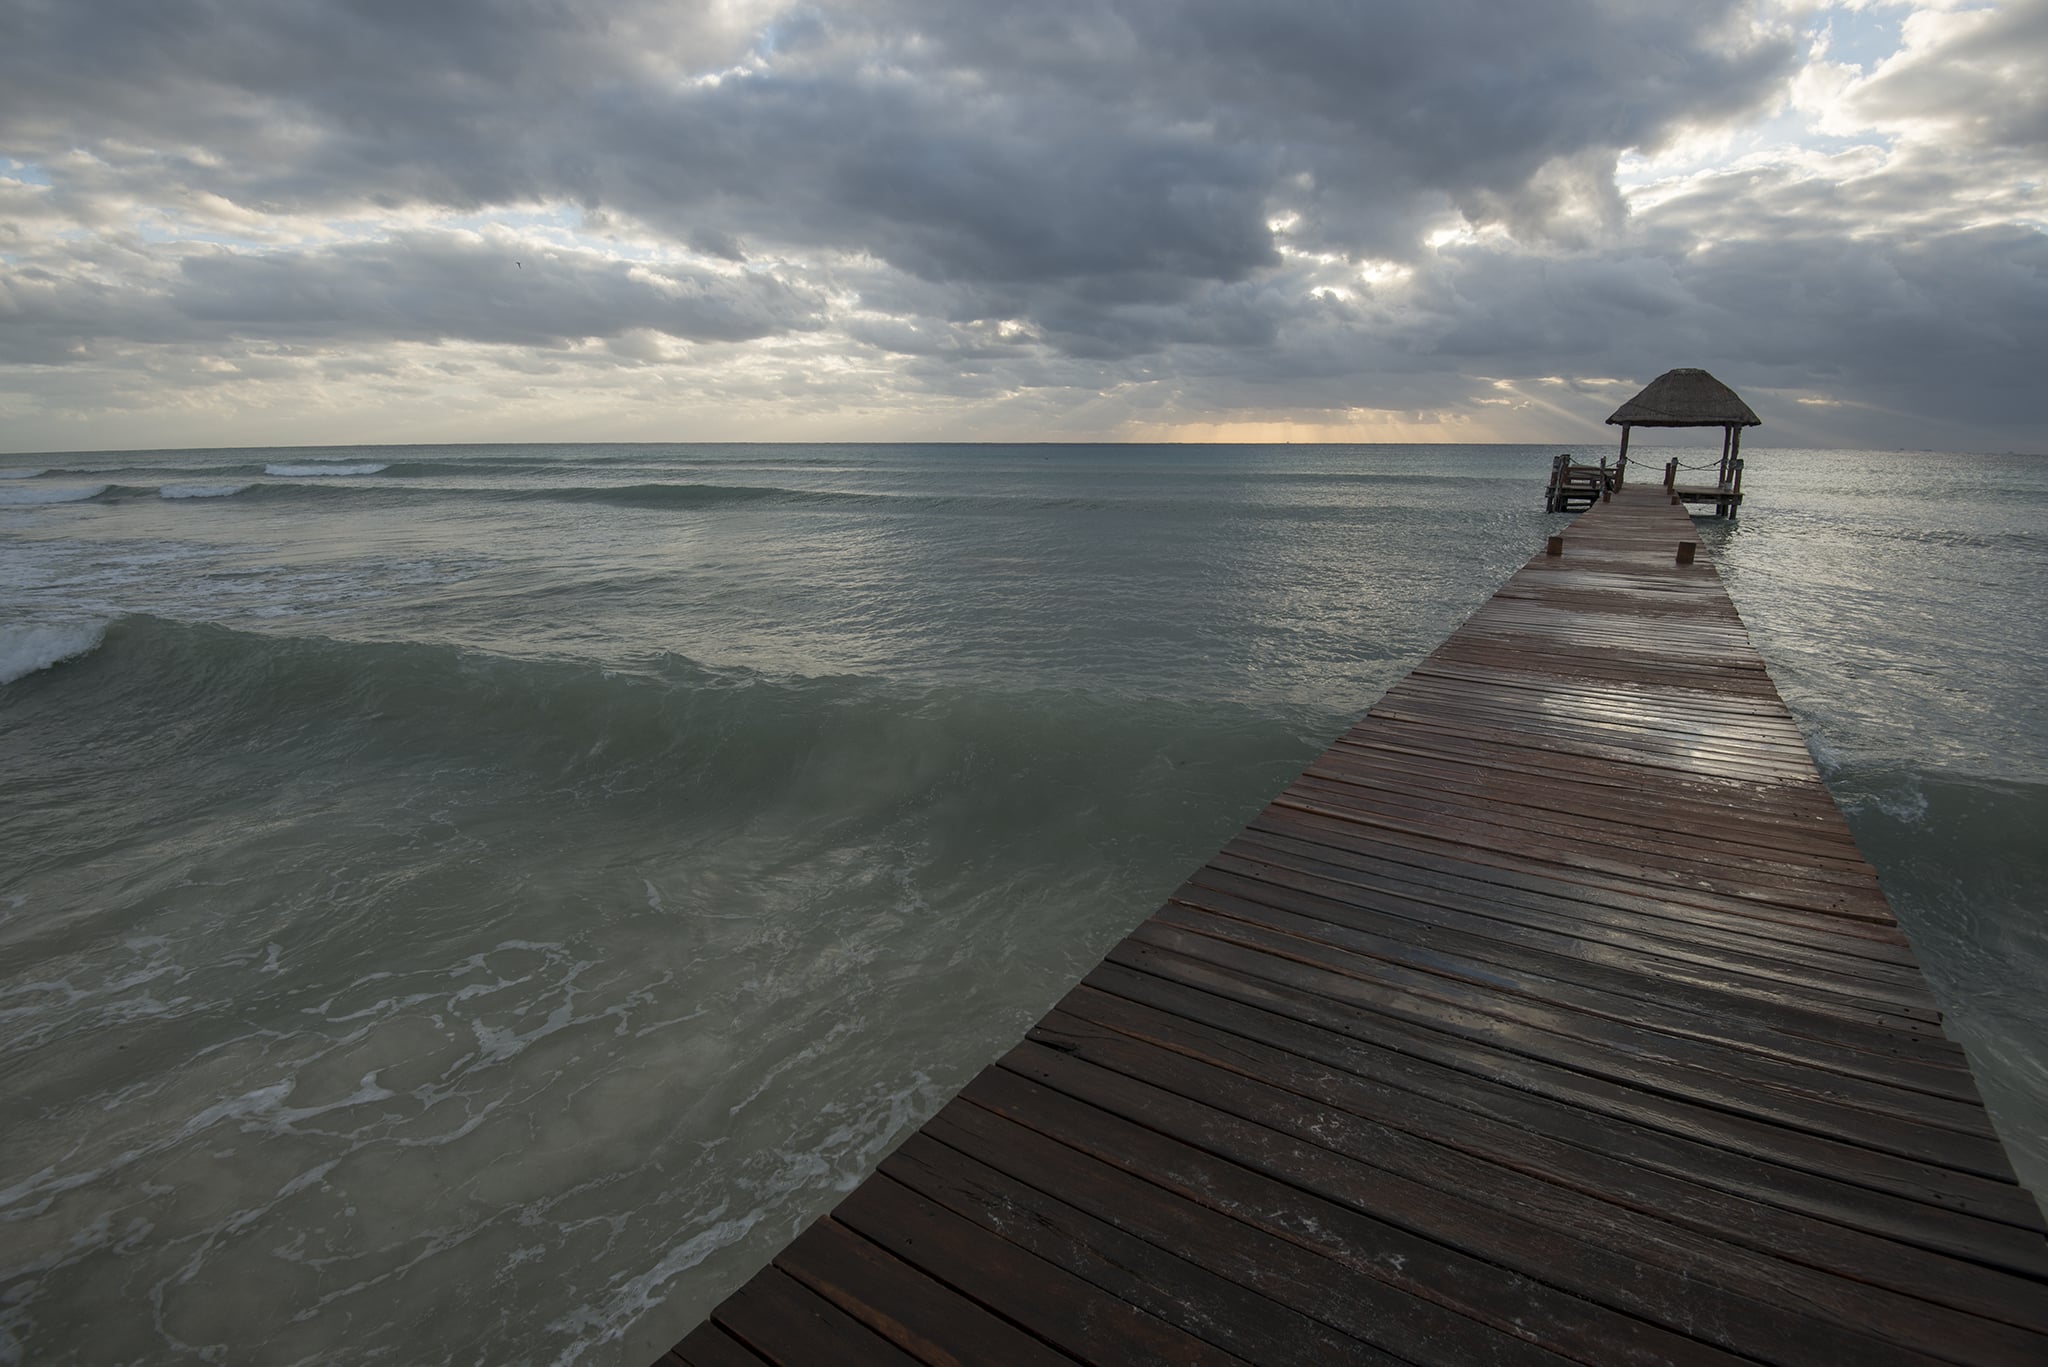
x: 1861, y: 34
x: 564, y: 225
x: 27, y: 172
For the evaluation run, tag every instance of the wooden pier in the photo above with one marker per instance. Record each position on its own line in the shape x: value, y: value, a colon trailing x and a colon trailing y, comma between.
x: 1574, y: 486
x: 1550, y: 1016
x: 1725, y: 496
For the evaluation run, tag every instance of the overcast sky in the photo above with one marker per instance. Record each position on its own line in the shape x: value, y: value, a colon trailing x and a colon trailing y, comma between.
x: 264, y: 221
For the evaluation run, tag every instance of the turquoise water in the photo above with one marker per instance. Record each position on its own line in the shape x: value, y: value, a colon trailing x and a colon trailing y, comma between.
x: 472, y: 904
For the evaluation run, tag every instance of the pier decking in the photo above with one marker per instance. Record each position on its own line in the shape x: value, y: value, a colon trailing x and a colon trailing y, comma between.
x: 1551, y: 1015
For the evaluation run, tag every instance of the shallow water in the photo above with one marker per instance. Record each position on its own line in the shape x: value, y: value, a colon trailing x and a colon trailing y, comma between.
x: 473, y: 904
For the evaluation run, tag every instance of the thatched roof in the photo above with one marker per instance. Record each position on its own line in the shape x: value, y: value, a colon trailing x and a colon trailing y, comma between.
x: 1685, y: 398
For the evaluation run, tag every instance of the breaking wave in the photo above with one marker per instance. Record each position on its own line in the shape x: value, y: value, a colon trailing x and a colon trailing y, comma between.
x: 24, y: 649
x: 200, y: 490
x: 316, y: 471
x: 658, y: 495
x: 664, y: 722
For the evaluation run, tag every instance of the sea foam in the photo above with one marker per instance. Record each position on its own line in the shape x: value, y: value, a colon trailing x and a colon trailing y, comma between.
x: 29, y: 472
x: 308, y: 471
x: 25, y: 649
x: 61, y: 493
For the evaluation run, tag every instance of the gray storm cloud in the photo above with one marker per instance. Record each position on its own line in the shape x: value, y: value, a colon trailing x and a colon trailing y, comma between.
x: 419, y: 286
x: 1205, y: 207
x: 437, y: 286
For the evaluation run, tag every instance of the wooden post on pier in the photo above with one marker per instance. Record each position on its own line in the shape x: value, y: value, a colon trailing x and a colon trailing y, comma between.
x: 1549, y: 1015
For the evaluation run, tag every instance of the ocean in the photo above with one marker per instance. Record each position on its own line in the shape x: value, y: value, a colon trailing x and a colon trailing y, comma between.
x: 472, y: 904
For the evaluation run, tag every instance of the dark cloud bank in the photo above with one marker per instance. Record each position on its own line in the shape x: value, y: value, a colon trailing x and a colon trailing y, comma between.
x: 1063, y: 220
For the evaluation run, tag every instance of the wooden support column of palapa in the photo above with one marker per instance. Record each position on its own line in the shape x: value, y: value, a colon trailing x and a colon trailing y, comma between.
x: 1731, y: 479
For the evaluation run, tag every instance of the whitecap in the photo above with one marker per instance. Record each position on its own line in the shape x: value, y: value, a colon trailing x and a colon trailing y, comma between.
x: 307, y: 471
x: 317, y: 1173
x: 199, y: 490
x: 628, y: 1302
x: 1907, y: 805
x: 59, y: 493
x: 25, y: 649
x: 24, y: 472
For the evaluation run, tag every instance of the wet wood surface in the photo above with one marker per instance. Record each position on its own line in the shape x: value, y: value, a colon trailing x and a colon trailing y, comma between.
x: 1550, y: 1016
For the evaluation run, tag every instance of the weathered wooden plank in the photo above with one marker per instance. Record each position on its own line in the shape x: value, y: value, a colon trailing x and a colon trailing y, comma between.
x: 1457, y: 996
x: 1650, y: 952
x: 900, y: 1303
x: 1793, y: 1130
x: 1516, y: 1212
x: 1854, y: 951
x: 1781, y: 1210
x: 1873, y: 951
x: 1493, y: 826
x: 1261, y: 1319
x: 1793, y: 805
x: 790, y: 1325
x: 709, y: 1346
x: 1407, y: 1294
x: 1749, y: 1014
x: 1248, y: 1230
x: 1640, y: 810
x: 1584, y: 878
x: 1063, y: 1309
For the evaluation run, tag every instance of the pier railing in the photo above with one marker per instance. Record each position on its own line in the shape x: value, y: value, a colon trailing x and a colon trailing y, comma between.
x: 1725, y: 494
x: 1576, y: 486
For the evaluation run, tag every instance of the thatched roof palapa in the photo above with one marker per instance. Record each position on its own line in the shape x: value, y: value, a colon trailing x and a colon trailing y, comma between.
x: 1685, y: 398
